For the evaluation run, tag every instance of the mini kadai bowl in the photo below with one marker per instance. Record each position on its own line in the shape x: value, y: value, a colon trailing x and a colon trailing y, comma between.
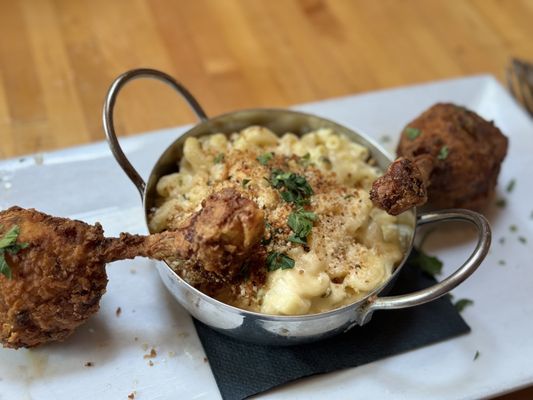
x: 274, y: 329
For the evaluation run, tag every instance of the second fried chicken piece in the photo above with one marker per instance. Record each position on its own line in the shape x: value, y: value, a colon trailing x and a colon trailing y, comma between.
x: 403, y: 186
x: 218, y: 238
x: 58, y: 280
x: 449, y: 153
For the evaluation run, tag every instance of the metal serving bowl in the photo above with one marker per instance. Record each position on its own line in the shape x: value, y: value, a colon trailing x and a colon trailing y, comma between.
x: 273, y: 329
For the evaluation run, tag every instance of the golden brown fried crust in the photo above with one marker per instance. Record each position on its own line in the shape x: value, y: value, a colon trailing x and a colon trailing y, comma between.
x: 57, y: 281
x: 458, y: 151
x: 217, y: 238
x: 400, y: 188
x: 59, y: 278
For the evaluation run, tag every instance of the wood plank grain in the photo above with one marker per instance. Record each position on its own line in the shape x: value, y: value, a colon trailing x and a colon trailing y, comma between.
x: 58, y: 57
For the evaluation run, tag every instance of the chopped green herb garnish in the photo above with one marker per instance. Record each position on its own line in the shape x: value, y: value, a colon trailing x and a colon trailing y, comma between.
x: 513, y: 228
x: 384, y: 139
x: 295, y: 239
x: 476, y: 356
x: 305, y: 160
x: 244, y: 272
x: 325, y: 160
x: 301, y: 223
x: 531, y: 215
x: 412, y: 133
x: 460, y: 305
x: 296, y: 188
x: 501, y: 262
x: 265, y: 158
x: 501, y: 203
x: 267, y: 240
x: 443, y: 153
x: 276, y: 260
x: 522, y: 239
x: 510, y: 186
x: 502, y: 240
x: 429, y: 264
x: 245, y: 182
x: 349, y: 196
x: 219, y: 158
x: 8, y: 244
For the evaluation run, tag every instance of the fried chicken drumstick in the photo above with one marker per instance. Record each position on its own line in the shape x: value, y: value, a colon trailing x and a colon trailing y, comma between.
x: 58, y: 279
x: 448, y: 156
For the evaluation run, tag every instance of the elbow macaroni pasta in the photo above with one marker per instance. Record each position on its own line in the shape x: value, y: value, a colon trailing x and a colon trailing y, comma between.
x: 353, y: 247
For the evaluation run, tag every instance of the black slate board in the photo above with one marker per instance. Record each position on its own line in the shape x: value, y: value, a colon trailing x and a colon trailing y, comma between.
x: 242, y: 369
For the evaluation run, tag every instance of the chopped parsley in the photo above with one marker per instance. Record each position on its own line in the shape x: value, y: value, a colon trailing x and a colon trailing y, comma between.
x: 501, y: 262
x: 244, y: 271
x: 501, y: 203
x: 301, y: 223
x: 443, y: 153
x: 245, y: 182
x: 513, y: 228
x: 510, y: 186
x: 460, y: 305
x: 276, y: 260
x: 384, y: 139
x: 412, y: 133
x: 476, y: 356
x: 522, y: 239
x: 305, y: 160
x: 8, y: 244
x: 265, y: 158
x: 325, y: 160
x: 266, y: 240
x: 219, y: 158
x: 502, y: 240
x: 429, y: 264
x: 295, y: 187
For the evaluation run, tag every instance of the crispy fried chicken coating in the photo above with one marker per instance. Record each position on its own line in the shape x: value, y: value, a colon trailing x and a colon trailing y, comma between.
x: 449, y: 155
x: 58, y: 280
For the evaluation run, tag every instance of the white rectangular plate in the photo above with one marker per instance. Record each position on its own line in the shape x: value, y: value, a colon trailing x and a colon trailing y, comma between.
x: 87, y: 184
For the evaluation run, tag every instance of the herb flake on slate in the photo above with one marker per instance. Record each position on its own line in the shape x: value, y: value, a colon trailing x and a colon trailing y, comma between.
x: 429, y: 264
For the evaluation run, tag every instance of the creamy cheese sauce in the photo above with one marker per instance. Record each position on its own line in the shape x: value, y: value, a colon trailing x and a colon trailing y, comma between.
x: 352, y: 247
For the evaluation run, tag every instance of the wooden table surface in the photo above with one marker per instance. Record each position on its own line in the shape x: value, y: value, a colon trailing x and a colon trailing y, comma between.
x: 58, y: 57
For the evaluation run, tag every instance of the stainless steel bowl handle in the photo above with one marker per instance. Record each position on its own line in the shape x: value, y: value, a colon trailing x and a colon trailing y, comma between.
x: 445, y: 286
x: 108, y: 121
